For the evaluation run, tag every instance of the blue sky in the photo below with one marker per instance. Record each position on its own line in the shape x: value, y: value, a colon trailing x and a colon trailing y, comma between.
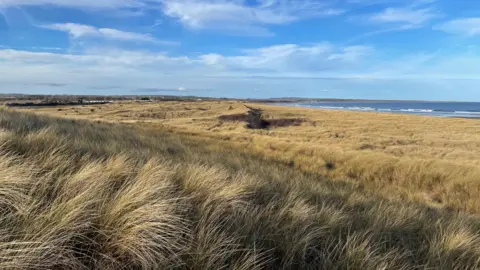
x: 380, y: 49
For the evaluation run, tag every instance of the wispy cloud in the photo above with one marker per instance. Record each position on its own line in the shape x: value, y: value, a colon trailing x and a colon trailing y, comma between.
x: 238, y: 17
x: 273, y: 68
x: 406, y: 16
x: 400, y: 14
x: 85, y: 31
x: 97, y: 4
x: 290, y: 59
x: 464, y: 26
x: 96, y: 69
x: 411, y: 3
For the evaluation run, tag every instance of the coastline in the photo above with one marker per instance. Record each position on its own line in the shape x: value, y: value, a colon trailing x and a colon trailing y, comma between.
x: 435, y: 109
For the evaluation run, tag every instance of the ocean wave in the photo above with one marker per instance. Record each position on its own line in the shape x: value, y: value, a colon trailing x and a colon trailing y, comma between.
x: 346, y: 108
x: 444, y: 111
x: 467, y: 112
x: 417, y: 110
x: 331, y: 107
x: 440, y: 110
x: 361, y: 108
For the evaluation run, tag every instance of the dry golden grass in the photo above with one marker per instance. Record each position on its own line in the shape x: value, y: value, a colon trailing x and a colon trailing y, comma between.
x: 433, y: 161
x: 190, y: 192
x: 83, y: 195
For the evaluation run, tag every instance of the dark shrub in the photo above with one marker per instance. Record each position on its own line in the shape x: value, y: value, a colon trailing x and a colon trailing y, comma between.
x: 286, y: 122
x: 367, y: 146
x: 255, y: 119
x: 330, y: 165
x: 234, y: 117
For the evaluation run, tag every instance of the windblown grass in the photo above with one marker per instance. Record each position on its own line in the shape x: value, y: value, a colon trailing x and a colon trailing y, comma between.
x: 429, y: 160
x: 83, y: 195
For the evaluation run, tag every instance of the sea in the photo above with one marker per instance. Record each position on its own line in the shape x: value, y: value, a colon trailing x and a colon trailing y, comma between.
x: 440, y: 109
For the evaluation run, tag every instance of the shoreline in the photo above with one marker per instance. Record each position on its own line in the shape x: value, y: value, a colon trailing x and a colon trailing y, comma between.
x: 354, y: 107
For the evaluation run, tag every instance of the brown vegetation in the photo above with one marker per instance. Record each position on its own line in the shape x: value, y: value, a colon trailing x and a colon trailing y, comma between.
x: 400, y: 157
x: 273, y: 123
x: 146, y: 194
x: 255, y: 119
x: 238, y: 117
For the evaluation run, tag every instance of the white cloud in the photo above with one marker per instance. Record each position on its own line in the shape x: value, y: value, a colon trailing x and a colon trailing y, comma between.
x: 97, y: 4
x: 279, y: 60
x: 236, y: 17
x: 411, y: 3
x: 290, y: 59
x: 465, y: 26
x: 99, y: 68
x: 411, y: 14
x: 239, y: 18
x: 408, y: 16
x: 141, y: 69
x: 275, y: 70
x: 82, y: 31
x: 400, y: 14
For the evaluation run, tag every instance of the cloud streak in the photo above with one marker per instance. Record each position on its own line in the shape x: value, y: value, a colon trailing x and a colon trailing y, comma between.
x: 274, y: 69
x: 408, y: 16
x: 237, y: 17
x: 416, y: 14
x: 97, y: 69
x: 465, y: 26
x: 322, y: 60
x: 83, y: 4
x: 78, y: 31
x: 278, y: 59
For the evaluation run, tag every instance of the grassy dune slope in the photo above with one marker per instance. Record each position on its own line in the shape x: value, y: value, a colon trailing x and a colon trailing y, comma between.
x: 430, y: 160
x: 85, y: 195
